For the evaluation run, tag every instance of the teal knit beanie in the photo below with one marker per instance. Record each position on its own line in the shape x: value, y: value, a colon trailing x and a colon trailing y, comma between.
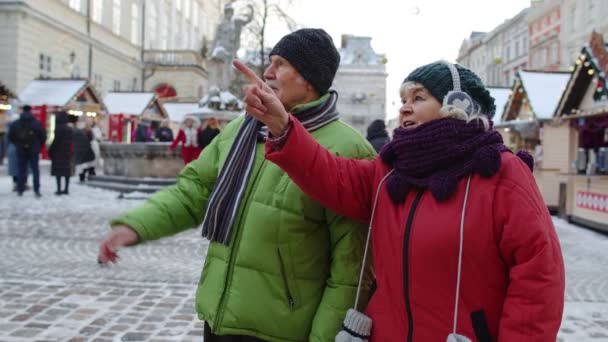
x: 437, y: 79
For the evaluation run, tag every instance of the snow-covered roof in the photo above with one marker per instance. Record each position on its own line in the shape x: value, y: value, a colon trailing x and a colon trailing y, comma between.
x: 178, y: 110
x: 544, y: 90
x: 51, y: 92
x: 127, y: 103
x: 501, y: 96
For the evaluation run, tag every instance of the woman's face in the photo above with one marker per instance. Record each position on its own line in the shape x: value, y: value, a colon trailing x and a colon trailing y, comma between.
x: 417, y: 106
x: 189, y: 123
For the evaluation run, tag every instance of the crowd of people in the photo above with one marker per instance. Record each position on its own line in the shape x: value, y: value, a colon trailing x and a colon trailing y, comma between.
x: 75, y: 146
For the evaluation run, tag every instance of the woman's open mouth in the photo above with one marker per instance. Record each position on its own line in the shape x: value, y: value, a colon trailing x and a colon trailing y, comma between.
x: 407, y: 124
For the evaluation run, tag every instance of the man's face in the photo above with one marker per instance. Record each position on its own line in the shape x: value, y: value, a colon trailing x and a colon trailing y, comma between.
x: 289, y: 86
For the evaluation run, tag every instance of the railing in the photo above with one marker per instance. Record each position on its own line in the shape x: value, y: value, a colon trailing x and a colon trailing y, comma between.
x: 174, y: 57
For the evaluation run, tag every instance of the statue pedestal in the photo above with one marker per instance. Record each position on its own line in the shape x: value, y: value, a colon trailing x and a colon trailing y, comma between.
x: 140, y: 160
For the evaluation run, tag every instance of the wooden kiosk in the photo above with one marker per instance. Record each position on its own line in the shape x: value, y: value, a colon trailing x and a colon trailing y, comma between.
x: 527, y: 123
x: 582, y: 115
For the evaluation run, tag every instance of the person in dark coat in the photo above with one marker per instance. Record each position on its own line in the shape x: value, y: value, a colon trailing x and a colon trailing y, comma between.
x: 164, y: 133
x: 61, y: 152
x: 84, y: 156
x: 206, y: 135
x: 143, y: 132
x: 29, y: 136
x: 377, y: 134
x: 11, y: 157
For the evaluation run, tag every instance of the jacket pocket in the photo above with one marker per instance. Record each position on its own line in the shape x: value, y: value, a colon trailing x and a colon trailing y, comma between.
x: 287, y: 274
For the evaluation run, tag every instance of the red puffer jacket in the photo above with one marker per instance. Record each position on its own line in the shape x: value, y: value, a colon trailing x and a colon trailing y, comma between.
x: 512, y: 276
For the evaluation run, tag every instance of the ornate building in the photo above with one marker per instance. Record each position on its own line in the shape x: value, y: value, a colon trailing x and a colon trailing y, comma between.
x: 118, y: 45
x: 360, y: 82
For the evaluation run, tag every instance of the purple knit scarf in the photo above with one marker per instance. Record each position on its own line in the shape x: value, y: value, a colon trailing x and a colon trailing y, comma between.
x: 436, y: 154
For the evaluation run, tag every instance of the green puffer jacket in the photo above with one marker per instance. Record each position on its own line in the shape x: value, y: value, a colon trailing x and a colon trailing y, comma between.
x: 292, y: 267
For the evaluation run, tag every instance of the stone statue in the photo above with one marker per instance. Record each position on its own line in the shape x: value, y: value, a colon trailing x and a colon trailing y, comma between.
x: 225, y: 45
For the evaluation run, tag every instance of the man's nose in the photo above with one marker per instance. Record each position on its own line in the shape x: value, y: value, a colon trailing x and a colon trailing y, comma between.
x: 269, y: 73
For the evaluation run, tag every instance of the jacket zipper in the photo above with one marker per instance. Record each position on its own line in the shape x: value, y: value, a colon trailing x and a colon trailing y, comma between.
x: 290, y: 300
x: 220, y: 313
x: 406, y: 246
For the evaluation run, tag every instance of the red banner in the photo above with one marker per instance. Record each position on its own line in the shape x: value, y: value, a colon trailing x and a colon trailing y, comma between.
x: 592, y: 201
x: 40, y: 113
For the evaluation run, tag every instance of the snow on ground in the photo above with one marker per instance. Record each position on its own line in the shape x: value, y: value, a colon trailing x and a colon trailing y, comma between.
x: 52, y: 289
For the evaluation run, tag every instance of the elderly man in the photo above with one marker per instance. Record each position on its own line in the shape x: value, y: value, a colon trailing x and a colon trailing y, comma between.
x: 279, y: 266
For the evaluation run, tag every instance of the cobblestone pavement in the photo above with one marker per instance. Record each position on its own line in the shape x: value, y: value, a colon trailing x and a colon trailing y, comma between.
x: 52, y: 289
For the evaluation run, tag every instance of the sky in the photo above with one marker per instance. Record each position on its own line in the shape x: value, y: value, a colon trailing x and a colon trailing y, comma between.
x: 410, y: 33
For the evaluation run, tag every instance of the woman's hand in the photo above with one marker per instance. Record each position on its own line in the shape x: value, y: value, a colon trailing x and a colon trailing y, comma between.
x: 262, y: 103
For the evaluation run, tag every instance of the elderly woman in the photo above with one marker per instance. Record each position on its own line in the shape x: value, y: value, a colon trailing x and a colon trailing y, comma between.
x: 463, y: 245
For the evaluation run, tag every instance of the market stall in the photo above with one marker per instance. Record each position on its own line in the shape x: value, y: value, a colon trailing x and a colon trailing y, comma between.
x: 583, y: 115
x: 126, y: 108
x: 74, y: 96
x: 527, y: 123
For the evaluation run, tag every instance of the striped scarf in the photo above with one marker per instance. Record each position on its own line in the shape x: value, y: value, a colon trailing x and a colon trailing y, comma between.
x: 231, y: 184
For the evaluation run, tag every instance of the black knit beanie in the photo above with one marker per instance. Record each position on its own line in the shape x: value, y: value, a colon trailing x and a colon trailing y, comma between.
x: 437, y: 79
x: 313, y: 53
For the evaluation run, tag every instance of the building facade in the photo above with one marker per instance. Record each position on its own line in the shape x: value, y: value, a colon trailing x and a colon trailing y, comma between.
x: 515, y: 47
x: 473, y: 55
x: 118, y: 45
x: 581, y: 17
x: 544, y: 23
x: 360, y: 83
x: 496, y: 56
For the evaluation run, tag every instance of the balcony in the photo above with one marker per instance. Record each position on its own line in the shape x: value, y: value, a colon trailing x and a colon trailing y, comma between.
x: 174, y: 58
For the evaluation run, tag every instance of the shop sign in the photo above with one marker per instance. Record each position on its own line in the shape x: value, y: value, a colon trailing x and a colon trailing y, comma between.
x: 592, y: 201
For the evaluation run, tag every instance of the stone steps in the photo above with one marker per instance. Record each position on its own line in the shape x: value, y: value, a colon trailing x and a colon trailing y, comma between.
x: 126, y: 185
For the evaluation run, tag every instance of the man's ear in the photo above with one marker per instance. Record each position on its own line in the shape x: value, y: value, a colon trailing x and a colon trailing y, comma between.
x: 311, y: 89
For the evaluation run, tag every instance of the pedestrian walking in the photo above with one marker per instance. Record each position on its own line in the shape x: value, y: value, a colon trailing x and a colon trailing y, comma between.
x: 377, y: 134
x: 279, y: 266
x: 464, y: 248
x: 61, y: 153
x: 29, y: 136
x: 188, y: 138
x: 11, y: 158
x: 84, y: 156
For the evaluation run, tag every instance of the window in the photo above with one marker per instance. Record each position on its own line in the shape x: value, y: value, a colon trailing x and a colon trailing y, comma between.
x: 187, y: 9
x: 525, y: 44
x: 116, y: 16
x: 516, y: 48
x: 554, y: 53
x: 98, y: 81
x: 195, y: 14
x: 152, y: 27
x: 97, y: 10
x: 164, y: 26
x: 134, y: 84
x: 572, y: 17
x: 44, y: 65
x: 75, y: 4
x: 508, y: 53
x: 591, y: 10
x: 116, y: 85
x: 134, y: 24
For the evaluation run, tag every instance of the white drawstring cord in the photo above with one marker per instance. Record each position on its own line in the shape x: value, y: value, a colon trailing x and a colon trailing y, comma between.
x: 464, y: 206
x: 369, y: 233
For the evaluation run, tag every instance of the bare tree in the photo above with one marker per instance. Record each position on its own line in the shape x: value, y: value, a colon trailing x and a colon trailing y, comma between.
x: 266, y: 11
